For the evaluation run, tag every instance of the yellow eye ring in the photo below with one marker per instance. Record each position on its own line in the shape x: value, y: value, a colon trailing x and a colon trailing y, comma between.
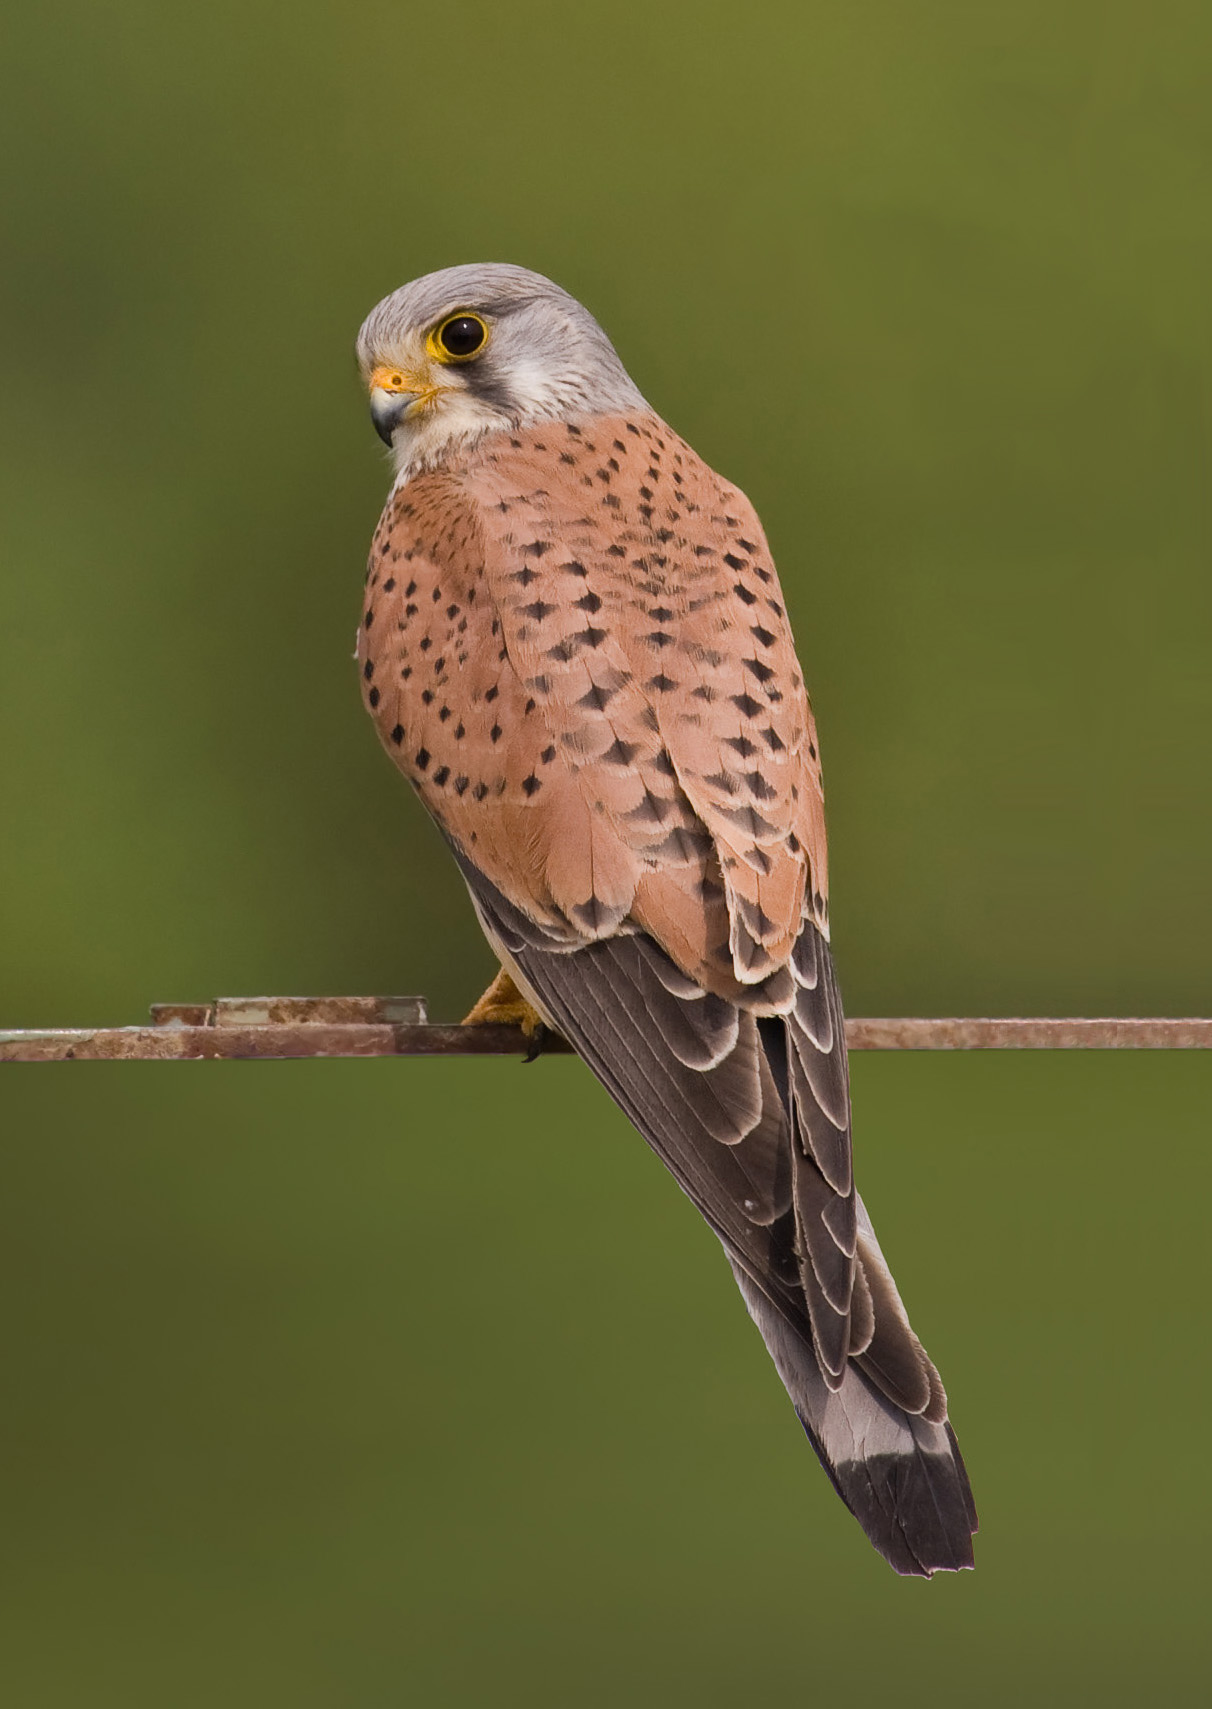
x: 458, y: 338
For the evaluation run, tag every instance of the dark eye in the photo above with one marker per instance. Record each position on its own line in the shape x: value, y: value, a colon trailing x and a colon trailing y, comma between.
x: 462, y: 335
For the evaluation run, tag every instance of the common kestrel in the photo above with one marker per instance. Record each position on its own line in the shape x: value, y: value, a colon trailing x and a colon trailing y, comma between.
x: 575, y: 647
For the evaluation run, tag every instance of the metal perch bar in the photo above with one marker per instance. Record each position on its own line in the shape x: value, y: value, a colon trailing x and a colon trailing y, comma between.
x: 252, y: 1028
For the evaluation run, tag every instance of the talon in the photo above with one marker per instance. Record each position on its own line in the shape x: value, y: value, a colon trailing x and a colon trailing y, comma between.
x: 503, y: 1005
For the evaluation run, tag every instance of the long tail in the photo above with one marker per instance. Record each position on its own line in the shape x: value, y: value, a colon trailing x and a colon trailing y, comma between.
x: 752, y: 1117
x: 901, y: 1476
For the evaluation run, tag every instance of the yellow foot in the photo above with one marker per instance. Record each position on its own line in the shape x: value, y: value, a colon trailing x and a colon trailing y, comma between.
x: 503, y: 1005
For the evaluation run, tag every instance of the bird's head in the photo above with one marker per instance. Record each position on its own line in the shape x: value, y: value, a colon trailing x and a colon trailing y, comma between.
x: 456, y: 354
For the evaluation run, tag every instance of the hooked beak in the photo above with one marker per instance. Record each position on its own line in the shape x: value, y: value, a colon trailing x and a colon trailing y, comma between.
x: 392, y: 394
x: 388, y: 409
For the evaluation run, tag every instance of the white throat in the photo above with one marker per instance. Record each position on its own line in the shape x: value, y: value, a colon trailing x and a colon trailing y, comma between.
x: 454, y: 423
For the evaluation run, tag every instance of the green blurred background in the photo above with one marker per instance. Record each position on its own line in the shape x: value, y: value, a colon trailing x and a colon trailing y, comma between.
x: 383, y: 1383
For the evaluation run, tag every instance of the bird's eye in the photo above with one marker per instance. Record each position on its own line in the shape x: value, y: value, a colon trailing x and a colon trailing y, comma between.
x: 460, y: 336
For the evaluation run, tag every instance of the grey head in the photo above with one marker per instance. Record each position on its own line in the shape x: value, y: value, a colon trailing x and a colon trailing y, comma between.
x: 475, y: 349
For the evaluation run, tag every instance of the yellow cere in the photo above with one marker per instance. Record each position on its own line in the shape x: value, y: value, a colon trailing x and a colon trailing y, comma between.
x: 395, y: 380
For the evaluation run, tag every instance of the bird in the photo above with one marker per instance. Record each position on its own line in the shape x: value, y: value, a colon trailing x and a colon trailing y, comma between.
x: 575, y: 647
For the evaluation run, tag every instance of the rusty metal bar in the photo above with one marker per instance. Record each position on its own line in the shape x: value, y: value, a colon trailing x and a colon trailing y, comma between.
x: 1030, y: 1033
x: 260, y: 1028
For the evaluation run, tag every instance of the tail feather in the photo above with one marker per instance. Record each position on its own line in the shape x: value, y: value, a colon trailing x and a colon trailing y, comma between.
x: 750, y: 1113
x: 900, y: 1475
